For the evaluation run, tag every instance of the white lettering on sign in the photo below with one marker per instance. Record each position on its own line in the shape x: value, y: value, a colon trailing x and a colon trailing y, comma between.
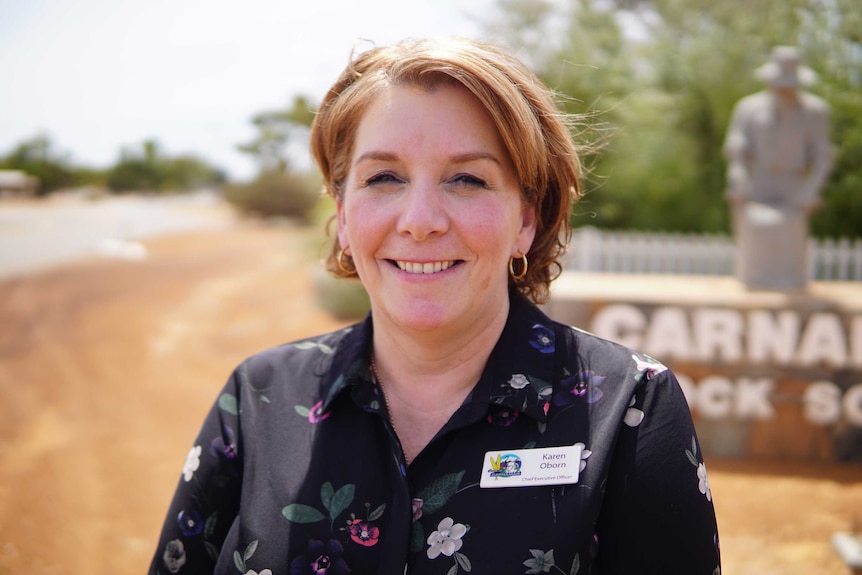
x: 668, y: 335
x: 823, y: 341
x: 856, y: 342
x: 822, y: 401
x: 853, y: 405
x: 734, y: 336
x: 718, y: 333
x: 719, y: 397
x: 772, y: 337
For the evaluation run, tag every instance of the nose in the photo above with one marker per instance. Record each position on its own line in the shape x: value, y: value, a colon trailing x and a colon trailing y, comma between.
x: 423, y: 212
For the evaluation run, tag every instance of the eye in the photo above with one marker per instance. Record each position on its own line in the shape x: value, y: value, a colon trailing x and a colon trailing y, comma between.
x: 383, y: 178
x: 469, y: 180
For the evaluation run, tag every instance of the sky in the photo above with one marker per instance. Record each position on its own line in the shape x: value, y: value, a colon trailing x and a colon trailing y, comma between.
x: 99, y: 75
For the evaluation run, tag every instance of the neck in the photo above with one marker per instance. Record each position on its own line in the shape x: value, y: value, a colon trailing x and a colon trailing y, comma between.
x: 438, y: 369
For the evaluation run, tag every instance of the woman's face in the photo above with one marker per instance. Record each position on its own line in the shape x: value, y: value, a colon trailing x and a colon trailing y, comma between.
x: 432, y: 210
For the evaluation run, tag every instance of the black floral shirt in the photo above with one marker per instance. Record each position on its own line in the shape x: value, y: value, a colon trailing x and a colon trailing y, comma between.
x: 298, y: 471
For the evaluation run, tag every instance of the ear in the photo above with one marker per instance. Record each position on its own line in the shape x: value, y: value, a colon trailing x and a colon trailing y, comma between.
x: 527, y: 233
x: 341, y: 220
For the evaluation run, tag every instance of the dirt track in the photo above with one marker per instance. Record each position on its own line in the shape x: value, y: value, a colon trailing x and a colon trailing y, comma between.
x: 107, y: 368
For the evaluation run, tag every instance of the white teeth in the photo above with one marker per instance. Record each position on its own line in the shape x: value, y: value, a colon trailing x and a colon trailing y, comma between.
x: 426, y: 268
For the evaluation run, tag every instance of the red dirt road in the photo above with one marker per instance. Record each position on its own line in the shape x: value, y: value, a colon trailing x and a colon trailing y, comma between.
x: 107, y: 368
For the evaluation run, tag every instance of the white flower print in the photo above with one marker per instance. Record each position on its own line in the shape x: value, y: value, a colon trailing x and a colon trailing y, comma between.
x: 703, y: 482
x: 541, y: 562
x: 633, y: 416
x: 253, y: 572
x: 193, y: 461
x: 447, y: 538
x: 519, y: 381
x: 174, y: 556
x: 585, y: 453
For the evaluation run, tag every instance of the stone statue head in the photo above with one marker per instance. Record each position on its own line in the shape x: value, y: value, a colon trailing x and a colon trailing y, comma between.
x: 785, y: 69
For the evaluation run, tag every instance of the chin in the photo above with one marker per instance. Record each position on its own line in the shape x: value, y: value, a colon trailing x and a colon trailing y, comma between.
x: 421, y: 316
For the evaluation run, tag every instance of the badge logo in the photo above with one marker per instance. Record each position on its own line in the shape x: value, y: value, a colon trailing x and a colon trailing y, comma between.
x: 507, y: 465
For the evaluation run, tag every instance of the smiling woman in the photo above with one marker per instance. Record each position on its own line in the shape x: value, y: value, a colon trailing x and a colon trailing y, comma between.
x: 457, y: 424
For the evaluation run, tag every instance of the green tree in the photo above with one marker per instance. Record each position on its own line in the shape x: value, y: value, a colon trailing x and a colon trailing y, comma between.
x: 38, y: 158
x: 275, y: 129
x: 137, y: 170
x: 664, y: 102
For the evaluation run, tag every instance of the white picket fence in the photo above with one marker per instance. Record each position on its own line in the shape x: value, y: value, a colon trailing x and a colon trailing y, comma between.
x: 596, y: 250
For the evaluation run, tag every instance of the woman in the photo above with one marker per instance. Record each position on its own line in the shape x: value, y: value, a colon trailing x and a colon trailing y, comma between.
x: 457, y: 429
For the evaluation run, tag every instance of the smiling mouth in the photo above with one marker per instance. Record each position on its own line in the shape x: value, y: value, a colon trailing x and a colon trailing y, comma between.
x: 424, y: 268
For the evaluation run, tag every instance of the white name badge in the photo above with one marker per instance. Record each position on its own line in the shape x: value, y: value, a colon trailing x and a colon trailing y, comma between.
x: 526, y: 467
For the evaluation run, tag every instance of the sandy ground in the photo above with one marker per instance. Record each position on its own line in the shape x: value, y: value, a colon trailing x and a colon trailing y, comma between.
x: 107, y: 368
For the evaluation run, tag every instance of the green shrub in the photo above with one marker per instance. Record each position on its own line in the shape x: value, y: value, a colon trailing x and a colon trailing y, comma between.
x: 287, y: 194
x: 343, y: 298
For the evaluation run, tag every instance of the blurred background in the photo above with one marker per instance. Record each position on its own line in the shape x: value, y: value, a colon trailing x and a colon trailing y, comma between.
x: 160, y: 220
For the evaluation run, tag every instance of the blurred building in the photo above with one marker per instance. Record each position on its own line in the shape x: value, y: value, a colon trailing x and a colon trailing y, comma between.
x: 17, y: 183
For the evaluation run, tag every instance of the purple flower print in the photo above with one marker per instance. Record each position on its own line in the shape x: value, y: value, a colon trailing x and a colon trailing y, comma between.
x: 190, y: 522
x: 224, y: 445
x: 320, y: 559
x: 542, y: 339
x: 585, y: 385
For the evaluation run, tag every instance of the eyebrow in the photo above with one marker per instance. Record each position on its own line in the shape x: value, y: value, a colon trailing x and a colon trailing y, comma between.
x: 382, y: 156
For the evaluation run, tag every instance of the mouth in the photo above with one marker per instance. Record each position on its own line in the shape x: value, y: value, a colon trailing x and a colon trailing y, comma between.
x: 424, y: 267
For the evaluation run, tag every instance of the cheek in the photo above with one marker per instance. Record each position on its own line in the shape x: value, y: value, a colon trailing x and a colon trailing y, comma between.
x: 360, y: 223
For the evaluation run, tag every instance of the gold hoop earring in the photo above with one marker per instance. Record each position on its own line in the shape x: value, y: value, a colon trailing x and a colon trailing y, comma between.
x: 512, y: 267
x: 340, y: 260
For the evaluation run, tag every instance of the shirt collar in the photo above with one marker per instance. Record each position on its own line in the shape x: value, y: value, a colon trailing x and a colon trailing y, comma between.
x: 519, y: 375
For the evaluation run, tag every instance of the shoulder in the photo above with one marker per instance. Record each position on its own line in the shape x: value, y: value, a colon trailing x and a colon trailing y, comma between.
x: 814, y: 105
x: 600, y: 354
x: 301, y: 359
x: 753, y: 102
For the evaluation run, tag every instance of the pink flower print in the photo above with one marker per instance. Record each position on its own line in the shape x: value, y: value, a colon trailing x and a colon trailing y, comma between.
x: 315, y: 415
x: 502, y: 416
x: 417, y: 508
x: 364, y: 533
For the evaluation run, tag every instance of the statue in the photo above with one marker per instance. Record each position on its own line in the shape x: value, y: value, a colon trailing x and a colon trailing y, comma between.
x: 778, y: 155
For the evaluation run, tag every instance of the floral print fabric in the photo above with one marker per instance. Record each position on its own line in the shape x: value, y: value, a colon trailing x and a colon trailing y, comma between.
x: 297, y: 470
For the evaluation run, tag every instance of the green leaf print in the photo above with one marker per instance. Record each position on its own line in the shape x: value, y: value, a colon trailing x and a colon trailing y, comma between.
x: 437, y: 493
x: 377, y: 513
x: 692, y: 455
x: 542, y: 387
x: 326, y: 493
x: 249, y: 551
x: 576, y: 565
x: 313, y: 344
x: 302, y: 410
x: 210, y: 525
x: 463, y: 562
x: 417, y: 537
x: 238, y: 562
x: 228, y: 403
x: 341, y: 500
x: 299, y: 513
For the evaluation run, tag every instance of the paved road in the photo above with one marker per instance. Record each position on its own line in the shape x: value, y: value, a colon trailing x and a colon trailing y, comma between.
x: 36, y: 235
